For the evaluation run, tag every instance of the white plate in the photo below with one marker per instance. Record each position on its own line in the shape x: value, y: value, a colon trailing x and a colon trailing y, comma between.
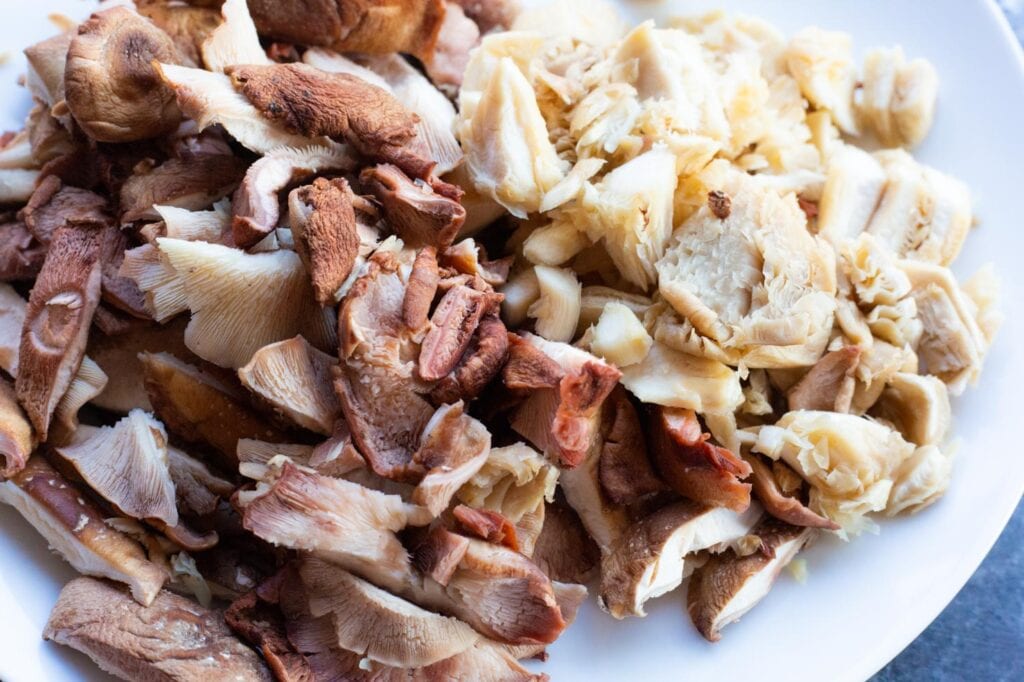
x: 863, y: 601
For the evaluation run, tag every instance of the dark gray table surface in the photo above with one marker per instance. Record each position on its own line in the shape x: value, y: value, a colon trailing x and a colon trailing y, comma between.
x: 980, y: 635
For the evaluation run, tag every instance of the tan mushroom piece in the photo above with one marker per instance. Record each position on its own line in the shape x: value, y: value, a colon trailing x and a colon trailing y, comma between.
x: 173, y: 638
x: 234, y: 41
x: 453, y: 448
x: 921, y: 480
x: 163, y: 291
x: 225, y: 287
x: 181, y: 223
x: 88, y: 384
x: 16, y: 438
x: 374, y: 623
x: 769, y: 492
x: 13, y: 309
x: 728, y: 586
x: 76, y: 529
x: 918, y: 406
x: 57, y: 322
x: 188, y: 26
x: 673, y: 379
x: 209, y: 99
x: 654, y: 555
x: 295, y: 379
x: 126, y: 464
x: 256, y: 205
x: 447, y: 61
x: 202, y: 409
x: 110, y: 85
x: 47, y: 61
x: 829, y: 384
x: 380, y: 26
x: 514, y: 481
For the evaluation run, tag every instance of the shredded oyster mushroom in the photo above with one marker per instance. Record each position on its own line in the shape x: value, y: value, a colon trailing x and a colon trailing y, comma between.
x: 283, y: 236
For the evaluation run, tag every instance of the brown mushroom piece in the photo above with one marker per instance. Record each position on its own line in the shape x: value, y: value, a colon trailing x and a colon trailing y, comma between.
x: 452, y: 327
x: 188, y: 26
x: 198, y: 490
x: 110, y: 85
x: 482, y: 361
x: 447, y: 61
x: 173, y: 638
x: 310, y: 102
x: 528, y: 367
x: 323, y: 223
x: 75, y: 528
x: 783, y: 507
x: 16, y: 438
x: 126, y: 464
x: 693, y: 467
x: 256, y: 205
x: 57, y: 321
x: 830, y: 383
x: 729, y: 585
x: 202, y: 409
x: 53, y: 205
x: 439, y: 554
x: 121, y: 295
x: 295, y: 379
x: 378, y: 625
x: 625, y: 471
x: 564, y: 550
x: 414, y: 210
x: 655, y: 554
x: 21, y: 256
x: 193, y: 182
x: 374, y: 26
x: 421, y: 289
x: 487, y: 525
x: 452, y: 449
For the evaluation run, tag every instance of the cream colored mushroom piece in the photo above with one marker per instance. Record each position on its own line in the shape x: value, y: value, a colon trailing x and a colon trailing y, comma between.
x: 295, y: 378
x: 241, y: 302
x: 729, y: 585
x: 654, y: 555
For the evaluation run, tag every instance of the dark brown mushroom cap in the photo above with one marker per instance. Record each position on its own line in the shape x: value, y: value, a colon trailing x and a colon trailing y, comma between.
x: 111, y: 87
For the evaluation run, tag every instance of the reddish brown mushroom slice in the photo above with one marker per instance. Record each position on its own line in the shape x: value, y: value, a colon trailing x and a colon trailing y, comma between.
x: 452, y: 449
x: 481, y: 363
x: 728, y: 585
x: 778, y: 504
x: 16, y: 438
x: 256, y: 206
x: 421, y: 289
x: 439, y: 554
x: 692, y: 466
x: 487, y: 525
x: 382, y: 26
x: 201, y: 409
x: 386, y: 629
x: 564, y: 550
x: 57, y: 321
x: 295, y: 378
x: 528, y: 367
x: 323, y: 224
x: 305, y: 100
x: 829, y: 384
x: 76, y: 529
x: 416, y: 212
x: 452, y: 327
x: 173, y: 638
x: 654, y: 555
x: 625, y: 471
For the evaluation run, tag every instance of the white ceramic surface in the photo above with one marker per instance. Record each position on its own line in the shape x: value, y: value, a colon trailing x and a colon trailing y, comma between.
x: 864, y: 600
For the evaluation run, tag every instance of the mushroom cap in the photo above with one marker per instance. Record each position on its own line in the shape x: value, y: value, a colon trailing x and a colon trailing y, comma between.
x: 295, y: 379
x: 377, y: 624
x: 110, y: 84
x: 126, y: 464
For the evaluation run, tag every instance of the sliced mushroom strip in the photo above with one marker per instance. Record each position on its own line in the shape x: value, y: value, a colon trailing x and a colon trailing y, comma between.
x: 126, y: 464
x: 172, y: 638
x: 202, y: 409
x: 452, y: 449
x: 376, y: 27
x: 57, y: 321
x: 482, y: 361
x: 193, y: 182
x: 295, y: 379
x: 374, y: 623
x: 487, y: 525
x: 256, y: 205
x: 414, y: 210
x: 783, y: 507
x: 651, y: 557
x: 306, y: 101
x: 76, y: 529
x: 729, y: 585
x: 16, y: 438
x: 452, y: 326
x: 89, y: 382
x: 693, y: 467
x: 625, y: 471
x: 225, y: 287
x: 338, y: 520
x: 111, y: 87
x: 323, y: 224
x: 829, y: 384
x: 421, y: 289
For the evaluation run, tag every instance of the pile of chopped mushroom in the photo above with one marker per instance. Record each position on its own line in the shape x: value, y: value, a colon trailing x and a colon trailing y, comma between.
x: 321, y: 375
